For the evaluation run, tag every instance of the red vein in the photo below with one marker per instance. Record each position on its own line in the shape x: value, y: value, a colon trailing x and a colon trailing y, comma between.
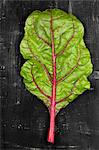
x: 45, y: 41
x: 55, y: 18
x: 38, y: 86
x: 56, y: 29
x: 45, y: 32
x: 64, y: 98
x: 71, y: 93
x: 69, y: 72
x: 46, y: 70
x: 61, y: 52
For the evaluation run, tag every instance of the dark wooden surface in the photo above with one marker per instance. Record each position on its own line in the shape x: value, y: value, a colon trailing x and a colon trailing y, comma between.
x: 24, y: 118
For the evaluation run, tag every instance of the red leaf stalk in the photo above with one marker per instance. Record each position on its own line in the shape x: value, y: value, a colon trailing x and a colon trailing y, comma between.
x: 51, y: 132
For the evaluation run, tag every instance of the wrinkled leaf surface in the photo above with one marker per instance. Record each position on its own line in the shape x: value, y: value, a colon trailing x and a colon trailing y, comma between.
x: 73, y: 63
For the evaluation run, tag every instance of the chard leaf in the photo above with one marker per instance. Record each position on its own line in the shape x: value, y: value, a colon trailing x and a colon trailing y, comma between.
x: 57, y: 59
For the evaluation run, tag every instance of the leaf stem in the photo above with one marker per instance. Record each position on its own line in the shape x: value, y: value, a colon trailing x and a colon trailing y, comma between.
x: 51, y: 132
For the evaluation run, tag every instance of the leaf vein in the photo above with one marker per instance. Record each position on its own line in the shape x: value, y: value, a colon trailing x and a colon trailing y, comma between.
x: 33, y: 79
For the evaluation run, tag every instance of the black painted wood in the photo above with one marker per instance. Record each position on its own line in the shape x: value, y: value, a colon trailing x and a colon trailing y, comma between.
x: 25, y: 119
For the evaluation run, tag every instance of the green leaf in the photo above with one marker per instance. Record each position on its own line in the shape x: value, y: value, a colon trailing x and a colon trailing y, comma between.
x: 73, y: 63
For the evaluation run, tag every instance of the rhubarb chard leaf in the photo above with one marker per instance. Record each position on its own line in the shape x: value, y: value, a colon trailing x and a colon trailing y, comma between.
x: 57, y: 60
x: 55, y: 34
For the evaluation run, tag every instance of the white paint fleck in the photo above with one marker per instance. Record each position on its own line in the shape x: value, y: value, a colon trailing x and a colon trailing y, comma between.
x: 18, y: 102
x: 70, y: 7
x: 2, y: 67
x: 19, y: 126
x: 56, y: 4
x: 92, y: 89
x: 95, y: 75
x: 14, y: 84
x: 93, y: 17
